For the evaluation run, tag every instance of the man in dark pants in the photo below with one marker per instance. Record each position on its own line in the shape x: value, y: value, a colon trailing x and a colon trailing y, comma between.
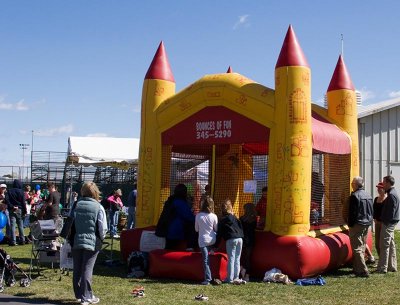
x: 359, y: 220
x: 15, y: 200
x: 131, y: 204
x: 390, y: 217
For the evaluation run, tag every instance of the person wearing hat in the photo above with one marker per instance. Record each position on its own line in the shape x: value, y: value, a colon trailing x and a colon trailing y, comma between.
x: 390, y: 217
x: 378, y: 205
x: 115, y: 206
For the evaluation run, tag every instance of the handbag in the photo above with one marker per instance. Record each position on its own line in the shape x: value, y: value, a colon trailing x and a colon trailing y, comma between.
x: 67, y: 227
x: 69, y: 222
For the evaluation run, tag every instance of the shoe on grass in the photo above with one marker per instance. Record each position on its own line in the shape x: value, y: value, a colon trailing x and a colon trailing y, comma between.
x: 205, y: 283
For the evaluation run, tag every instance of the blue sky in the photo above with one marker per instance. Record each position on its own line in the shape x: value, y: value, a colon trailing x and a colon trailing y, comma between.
x: 76, y: 68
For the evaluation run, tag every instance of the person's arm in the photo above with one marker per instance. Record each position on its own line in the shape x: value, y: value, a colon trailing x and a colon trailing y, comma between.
x: 102, y: 223
x: 196, y: 223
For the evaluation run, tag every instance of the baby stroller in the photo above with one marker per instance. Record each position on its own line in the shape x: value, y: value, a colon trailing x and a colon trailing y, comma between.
x: 8, y: 269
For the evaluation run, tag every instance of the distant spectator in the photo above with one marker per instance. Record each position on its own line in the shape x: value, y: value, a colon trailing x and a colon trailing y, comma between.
x: 261, y: 209
x: 359, y: 221
x: 131, y: 204
x: 17, y: 209
x: 390, y: 218
x: 52, y: 205
x: 379, y: 202
x: 115, y: 206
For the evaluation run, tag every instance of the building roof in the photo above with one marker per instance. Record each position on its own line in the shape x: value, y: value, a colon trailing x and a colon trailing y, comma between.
x: 103, y: 150
x: 367, y: 110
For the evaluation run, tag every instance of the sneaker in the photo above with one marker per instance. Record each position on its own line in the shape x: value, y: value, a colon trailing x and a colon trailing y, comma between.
x: 94, y: 300
x: 201, y: 297
x: 85, y: 303
x: 205, y: 283
x: 116, y: 236
x: 216, y: 282
x: 370, y: 260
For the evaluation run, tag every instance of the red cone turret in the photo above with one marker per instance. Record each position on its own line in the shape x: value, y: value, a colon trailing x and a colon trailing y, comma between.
x: 341, y: 77
x: 291, y: 52
x: 159, y: 67
x: 229, y: 70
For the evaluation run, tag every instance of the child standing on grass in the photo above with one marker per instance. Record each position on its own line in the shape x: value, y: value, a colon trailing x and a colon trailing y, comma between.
x: 206, y: 224
x: 230, y: 229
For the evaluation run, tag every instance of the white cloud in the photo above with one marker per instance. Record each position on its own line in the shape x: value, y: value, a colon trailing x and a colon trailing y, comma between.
x: 242, y: 21
x: 66, y: 129
x: 394, y: 94
x: 100, y: 135
x: 18, y: 106
x: 366, y: 94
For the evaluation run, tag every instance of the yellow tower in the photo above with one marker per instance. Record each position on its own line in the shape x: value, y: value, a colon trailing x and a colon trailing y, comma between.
x: 342, y: 108
x: 159, y: 85
x: 289, y: 192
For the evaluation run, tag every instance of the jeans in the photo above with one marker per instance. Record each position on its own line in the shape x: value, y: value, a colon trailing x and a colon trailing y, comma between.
x: 84, y: 261
x: 233, y: 250
x: 8, y: 225
x: 206, y: 263
x: 113, y: 222
x: 131, y: 217
x: 387, y: 257
x: 17, y: 219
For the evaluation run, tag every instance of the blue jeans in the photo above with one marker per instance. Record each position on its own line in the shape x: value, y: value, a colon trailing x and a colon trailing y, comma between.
x: 113, y: 222
x: 233, y: 250
x: 206, y: 263
x: 131, y: 217
x: 16, y: 219
x: 8, y: 225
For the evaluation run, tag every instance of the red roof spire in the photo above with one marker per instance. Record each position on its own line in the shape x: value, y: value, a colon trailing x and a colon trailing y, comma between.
x: 159, y: 67
x: 229, y: 70
x: 291, y: 52
x: 341, y: 77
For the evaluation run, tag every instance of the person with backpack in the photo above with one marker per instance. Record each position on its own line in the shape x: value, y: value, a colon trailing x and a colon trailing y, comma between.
x: 176, y: 220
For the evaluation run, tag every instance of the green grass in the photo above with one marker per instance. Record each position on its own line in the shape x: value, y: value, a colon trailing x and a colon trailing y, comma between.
x: 112, y: 286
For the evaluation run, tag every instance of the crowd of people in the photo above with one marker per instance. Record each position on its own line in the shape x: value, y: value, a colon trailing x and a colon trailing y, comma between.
x: 178, y: 220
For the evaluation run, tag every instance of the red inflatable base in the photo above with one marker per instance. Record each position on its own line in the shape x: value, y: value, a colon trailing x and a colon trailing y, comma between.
x: 185, y: 265
x: 296, y: 256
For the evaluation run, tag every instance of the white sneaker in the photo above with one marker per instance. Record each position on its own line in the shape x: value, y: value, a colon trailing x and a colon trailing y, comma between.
x: 116, y: 236
x: 94, y: 300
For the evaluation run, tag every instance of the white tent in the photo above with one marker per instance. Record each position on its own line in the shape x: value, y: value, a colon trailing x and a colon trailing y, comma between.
x: 103, y: 150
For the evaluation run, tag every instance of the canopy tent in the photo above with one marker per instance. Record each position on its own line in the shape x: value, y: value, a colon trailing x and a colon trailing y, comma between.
x: 119, y: 152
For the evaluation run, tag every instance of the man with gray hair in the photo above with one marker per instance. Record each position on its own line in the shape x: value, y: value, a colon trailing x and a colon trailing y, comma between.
x: 390, y: 217
x: 359, y: 220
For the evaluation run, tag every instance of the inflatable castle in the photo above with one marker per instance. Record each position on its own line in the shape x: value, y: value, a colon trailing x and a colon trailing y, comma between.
x: 237, y: 136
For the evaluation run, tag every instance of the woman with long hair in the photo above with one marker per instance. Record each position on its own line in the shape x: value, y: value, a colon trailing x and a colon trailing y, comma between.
x: 206, y: 224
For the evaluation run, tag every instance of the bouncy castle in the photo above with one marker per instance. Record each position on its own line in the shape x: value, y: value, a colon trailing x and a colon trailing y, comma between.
x: 238, y: 136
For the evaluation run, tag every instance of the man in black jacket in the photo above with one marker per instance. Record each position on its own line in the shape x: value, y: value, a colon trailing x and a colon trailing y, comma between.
x: 359, y: 220
x: 16, y: 206
x: 390, y: 217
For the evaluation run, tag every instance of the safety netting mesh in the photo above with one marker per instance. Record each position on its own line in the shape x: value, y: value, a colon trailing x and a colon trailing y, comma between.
x: 235, y: 164
x: 329, y: 189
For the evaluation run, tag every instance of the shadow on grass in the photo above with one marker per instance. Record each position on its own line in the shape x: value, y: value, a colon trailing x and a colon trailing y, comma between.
x: 28, y: 298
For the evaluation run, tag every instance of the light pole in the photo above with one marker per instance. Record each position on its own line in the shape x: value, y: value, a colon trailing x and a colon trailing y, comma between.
x: 23, y: 147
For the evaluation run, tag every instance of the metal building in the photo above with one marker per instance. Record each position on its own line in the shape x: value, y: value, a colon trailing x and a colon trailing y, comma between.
x: 379, y: 139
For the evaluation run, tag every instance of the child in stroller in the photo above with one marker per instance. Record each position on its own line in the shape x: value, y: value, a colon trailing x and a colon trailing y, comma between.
x: 8, y: 269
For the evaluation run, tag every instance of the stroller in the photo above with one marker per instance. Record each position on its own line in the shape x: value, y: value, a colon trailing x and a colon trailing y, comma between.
x: 8, y: 269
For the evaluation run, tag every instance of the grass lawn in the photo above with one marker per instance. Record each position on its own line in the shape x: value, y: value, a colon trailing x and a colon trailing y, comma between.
x: 112, y: 286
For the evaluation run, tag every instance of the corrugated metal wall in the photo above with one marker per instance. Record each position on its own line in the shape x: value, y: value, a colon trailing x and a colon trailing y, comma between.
x: 379, y: 139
